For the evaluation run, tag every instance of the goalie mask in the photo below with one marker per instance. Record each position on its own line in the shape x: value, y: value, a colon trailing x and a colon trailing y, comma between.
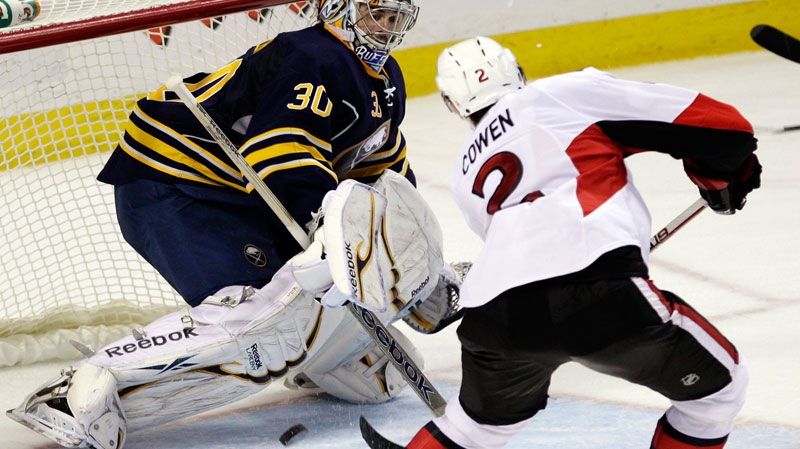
x: 375, y: 27
x: 474, y: 74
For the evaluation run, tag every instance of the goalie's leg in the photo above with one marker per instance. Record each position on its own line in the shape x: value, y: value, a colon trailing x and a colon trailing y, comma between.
x: 180, y: 365
x: 349, y: 364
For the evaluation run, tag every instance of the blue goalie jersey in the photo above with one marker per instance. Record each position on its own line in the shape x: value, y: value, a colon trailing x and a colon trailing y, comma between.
x: 303, y: 109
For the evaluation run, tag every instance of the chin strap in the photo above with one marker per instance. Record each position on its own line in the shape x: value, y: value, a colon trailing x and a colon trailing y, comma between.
x: 345, y: 35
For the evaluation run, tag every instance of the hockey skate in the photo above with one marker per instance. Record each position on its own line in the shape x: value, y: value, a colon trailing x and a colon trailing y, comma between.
x: 81, y: 411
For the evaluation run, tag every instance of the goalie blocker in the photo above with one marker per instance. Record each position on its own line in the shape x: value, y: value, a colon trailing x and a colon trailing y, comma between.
x: 240, y: 340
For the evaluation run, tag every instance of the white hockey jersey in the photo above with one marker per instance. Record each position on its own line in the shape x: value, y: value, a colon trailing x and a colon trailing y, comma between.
x: 548, y: 190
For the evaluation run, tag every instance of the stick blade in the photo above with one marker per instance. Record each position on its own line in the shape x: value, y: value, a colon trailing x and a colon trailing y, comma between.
x: 776, y: 41
x: 374, y: 439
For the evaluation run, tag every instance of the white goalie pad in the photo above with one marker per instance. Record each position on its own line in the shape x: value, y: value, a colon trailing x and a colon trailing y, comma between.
x: 383, y: 243
x: 182, y: 364
x: 351, y: 366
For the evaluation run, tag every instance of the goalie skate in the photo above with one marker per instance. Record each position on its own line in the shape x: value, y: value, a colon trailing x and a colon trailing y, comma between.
x: 48, y: 413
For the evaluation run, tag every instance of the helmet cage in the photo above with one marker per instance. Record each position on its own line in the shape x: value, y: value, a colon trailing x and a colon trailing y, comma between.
x: 382, y: 24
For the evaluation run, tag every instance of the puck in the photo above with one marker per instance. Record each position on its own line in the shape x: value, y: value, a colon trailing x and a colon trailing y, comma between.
x: 291, y: 432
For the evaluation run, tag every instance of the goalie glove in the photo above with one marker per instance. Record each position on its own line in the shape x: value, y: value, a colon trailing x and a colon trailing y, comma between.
x: 441, y: 308
x: 383, y: 244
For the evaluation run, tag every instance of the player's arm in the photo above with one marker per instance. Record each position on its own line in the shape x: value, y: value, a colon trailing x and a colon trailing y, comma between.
x: 715, y: 143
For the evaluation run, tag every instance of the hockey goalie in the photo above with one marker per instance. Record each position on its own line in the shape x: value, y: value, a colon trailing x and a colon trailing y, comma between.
x: 243, y: 339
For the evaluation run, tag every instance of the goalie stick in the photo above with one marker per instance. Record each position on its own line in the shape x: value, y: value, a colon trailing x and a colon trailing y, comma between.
x: 412, y: 374
x: 375, y: 440
x: 776, y: 41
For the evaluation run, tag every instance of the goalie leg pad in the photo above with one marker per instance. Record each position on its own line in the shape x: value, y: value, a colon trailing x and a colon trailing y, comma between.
x: 351, y: 366
x: 180, y: 365
x: 234, y: 353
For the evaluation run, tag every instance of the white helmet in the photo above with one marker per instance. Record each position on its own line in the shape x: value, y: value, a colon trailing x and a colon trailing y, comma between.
x: 475, y: 73
x: 375, y: 27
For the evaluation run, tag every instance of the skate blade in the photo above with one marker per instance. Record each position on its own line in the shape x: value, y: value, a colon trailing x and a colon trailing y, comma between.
x: 43, y: 429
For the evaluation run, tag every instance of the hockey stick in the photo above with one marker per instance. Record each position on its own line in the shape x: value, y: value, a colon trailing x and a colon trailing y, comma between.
x: 777, y: 130
x: 175, y: 84
x: 371, y: 324
x: 783, y: 45
x: 672, y: 227
x: 776, y: 41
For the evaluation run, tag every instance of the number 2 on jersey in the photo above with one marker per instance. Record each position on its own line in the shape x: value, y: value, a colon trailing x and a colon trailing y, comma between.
x: 510, y: 168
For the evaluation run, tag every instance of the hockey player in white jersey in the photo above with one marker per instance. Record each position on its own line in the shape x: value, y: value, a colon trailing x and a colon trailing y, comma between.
x: 563, y: 275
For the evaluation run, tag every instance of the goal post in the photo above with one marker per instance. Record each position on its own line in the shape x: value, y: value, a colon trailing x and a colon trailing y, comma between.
x: 69, y: 79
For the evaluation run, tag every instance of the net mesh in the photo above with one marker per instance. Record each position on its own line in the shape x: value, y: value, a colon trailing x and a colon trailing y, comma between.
x: 66, y: 273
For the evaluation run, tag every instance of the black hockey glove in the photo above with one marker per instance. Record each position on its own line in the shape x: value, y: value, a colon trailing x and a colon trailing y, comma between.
x: 726, y: 194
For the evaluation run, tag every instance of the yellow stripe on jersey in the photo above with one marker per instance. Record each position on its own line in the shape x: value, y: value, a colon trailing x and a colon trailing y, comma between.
x: 263, y: 173
x: 219, y: 78
x: 202, y: 172
x: 154, y: 143
x: 313, y: 140
x: 261, y: 46
x: 170, y: 170
x: 265, y: 154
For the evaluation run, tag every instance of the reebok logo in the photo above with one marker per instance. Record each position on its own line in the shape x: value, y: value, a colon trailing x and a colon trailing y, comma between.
x: 690, y: 379
x: 147, y: 343
x: 405, y: 365
x: 351, y: 267
x: 254, y: 358
x: 418, y: 289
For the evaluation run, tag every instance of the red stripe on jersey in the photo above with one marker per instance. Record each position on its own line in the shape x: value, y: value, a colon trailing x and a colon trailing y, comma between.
x: 710, y: 113
x: 601, y: 170
x: 688, y: 312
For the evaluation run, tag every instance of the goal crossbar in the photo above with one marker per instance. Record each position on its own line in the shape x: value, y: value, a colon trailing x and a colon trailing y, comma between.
x: 33, y: 36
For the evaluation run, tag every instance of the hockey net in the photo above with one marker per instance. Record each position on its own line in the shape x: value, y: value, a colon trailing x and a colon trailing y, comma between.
x: 70, y: 78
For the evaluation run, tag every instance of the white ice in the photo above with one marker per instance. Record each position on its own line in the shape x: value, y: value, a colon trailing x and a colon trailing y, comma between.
x: 740, y: 271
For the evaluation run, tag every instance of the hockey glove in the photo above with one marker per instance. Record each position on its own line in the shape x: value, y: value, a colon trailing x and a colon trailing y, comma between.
x: 725, y: 194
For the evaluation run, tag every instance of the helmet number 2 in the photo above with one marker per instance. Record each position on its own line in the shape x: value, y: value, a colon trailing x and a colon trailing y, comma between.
x: 482, y: 76
x: 510, y: 168
x: 304, y: 99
